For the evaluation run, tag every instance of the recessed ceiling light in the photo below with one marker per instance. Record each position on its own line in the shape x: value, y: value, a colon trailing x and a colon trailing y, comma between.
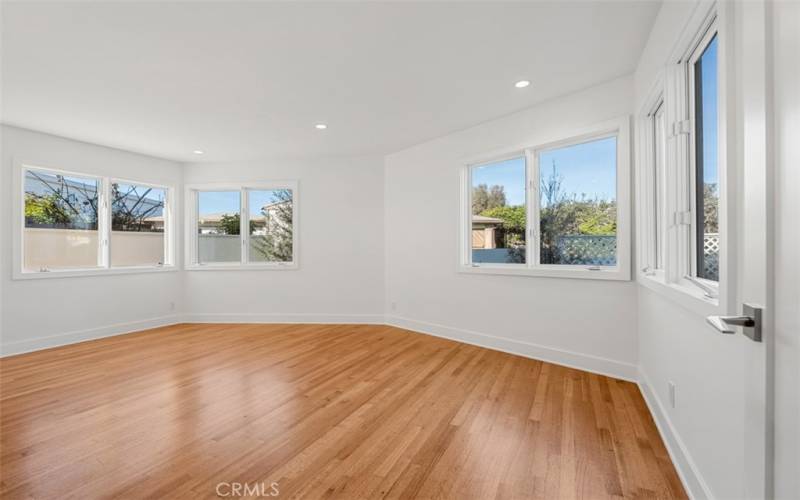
x: 199, y: 152
x: 320, y: 126
x: 522, y: 84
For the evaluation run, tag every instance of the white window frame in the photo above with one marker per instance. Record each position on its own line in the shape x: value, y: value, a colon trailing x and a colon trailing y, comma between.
x: 694, y: 57
x: 675, y: 85
x: 621, y: 271
x: 651, y: 225
x: 103, y: 227
x: 191, y: 218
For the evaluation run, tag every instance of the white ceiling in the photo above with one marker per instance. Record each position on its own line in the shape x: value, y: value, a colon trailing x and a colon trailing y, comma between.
x: 249, y: 80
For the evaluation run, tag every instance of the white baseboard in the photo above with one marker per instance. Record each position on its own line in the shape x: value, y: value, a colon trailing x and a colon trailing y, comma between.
x: 580, y: 361
x: 23, y: 346
x: 693, y: 482
x: 586, y: 362
x: 575, y: 360
x: 334, y: 319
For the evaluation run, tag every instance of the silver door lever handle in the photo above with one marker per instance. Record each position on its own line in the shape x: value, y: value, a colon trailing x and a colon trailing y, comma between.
x: 750, y: 322
x: 721, y: 322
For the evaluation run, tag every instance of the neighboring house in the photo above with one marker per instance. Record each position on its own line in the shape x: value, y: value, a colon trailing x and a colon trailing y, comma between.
x: 485, y: 231
x: 156, y: 223
x: 271, y: 218
x: 210, y: 224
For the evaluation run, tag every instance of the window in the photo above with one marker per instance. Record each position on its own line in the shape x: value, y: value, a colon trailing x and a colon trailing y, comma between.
x: 705, y: 263
x: 218, y: 227
x: 552, y: 209
x: 242, y: 226
x: 499, y: 212
x: 68, y: 228
x: 61, y: 221
x: 682, y: 176
x: 137, y: 225
x: 271, y: 214
x: 578, y: 204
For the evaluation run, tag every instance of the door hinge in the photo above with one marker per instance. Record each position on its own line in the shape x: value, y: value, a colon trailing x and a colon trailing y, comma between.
x: 681, y: 127
x: 682, y: 218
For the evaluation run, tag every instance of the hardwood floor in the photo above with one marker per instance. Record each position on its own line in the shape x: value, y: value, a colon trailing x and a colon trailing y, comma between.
x: 344, y: 411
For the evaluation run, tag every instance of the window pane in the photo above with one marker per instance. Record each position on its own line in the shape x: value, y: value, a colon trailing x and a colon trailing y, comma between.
x: 137, y: 225
x: 578, y: 207
x: 706, y: 184
x: 60, y: 221
x: 271, y: 228
x: 218, y: 223
x: 498, y: 212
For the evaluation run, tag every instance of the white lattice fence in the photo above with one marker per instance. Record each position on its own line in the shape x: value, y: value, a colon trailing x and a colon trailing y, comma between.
x: 711, y: 255
x: 587, y: 250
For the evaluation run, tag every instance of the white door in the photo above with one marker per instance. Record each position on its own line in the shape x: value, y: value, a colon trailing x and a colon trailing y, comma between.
x: 755, y: 236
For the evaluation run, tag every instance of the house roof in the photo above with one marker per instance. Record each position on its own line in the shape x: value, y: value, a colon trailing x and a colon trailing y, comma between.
x: 214, y: 218
x: 486, y: 220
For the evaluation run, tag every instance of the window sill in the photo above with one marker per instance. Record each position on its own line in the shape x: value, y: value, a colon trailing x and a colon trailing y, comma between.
x: 690, y: 298
x: 277, y: 266
x: 570, y: 272
x: 82, y: 273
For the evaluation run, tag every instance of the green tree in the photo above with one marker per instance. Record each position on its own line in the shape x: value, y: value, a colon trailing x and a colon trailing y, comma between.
x: 485, y: 198
x: 45, y: 210
x: 276, y: 244
x: 599, y: 218
x: 230, y: 224
x: 65, y: 204
x: 710, y: 208
x: 565, y: 214
x: 513, y: 217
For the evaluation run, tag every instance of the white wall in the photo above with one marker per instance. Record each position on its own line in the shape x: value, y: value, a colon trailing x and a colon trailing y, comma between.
x: 46, y: 312
x: 587, y: 323
x: 340, y: 278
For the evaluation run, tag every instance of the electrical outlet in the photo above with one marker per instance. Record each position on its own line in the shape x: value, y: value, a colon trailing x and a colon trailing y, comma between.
x: 671, y: 386
x: 394, y: 306
x: 172, y: 306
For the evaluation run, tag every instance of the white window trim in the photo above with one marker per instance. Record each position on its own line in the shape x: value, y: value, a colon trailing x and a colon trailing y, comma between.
x: 618, y: 127
x: 646, y: 185
x: 190, y: 225
x: 103, y: 227
x: 674, y: 85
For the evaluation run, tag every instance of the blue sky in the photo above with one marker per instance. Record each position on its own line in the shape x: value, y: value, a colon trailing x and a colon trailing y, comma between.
x: 155, y: 196
x: 708, y: 65
x: 588, y: 168
x: 227, y: 202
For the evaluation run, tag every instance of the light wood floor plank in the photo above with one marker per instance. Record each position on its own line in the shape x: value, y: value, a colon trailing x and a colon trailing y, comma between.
x: 325, y: 411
